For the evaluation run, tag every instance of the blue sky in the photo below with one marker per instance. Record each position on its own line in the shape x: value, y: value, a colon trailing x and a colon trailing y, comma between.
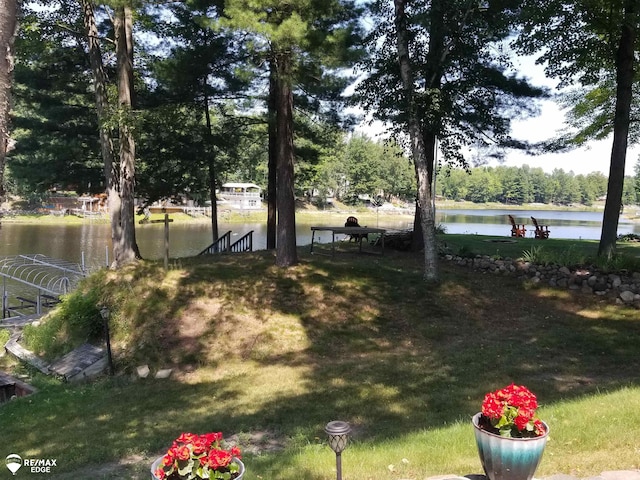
x: 595, y: 157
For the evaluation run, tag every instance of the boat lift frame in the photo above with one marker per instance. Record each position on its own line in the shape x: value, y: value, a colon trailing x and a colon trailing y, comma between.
x: 51, y: 277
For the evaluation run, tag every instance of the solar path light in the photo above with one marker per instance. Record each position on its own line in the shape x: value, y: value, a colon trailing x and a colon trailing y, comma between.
x: 338, y: 433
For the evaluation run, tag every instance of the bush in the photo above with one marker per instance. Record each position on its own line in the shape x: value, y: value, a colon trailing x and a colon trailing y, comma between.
x: 569, y: 257
x: 75, y: 321
x: 618, y: 263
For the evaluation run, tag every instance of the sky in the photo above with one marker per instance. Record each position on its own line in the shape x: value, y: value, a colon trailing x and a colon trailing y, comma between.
x: 595, y: 157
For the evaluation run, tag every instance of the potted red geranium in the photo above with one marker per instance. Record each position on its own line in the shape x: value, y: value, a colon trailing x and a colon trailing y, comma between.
x: 509, y: 435
x: 196, y: 457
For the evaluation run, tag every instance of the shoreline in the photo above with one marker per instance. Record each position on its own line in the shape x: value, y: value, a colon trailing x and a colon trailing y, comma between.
x: 367, y: 214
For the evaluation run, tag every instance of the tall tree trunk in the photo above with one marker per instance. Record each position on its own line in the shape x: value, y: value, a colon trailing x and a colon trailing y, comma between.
x: 8, y: 28
x: 286, y: 253
x: 126, y: 250
x: 273, y: 156
x: 436, y: 56
x: 212, y: 194
x: 212, y: 169
x: 418, y: 150
x: 429, y: 141
x: 112, y: 179
x: 624, y: 84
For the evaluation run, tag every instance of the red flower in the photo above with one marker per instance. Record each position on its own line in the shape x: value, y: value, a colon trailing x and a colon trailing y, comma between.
x: 199, y: 446
x: 212, y: 437
x: 186, y: 438
x: 183, y: 453
x: 219, y: 458
x: 539, y: 427
x: 205, y: 452
x: 512, y: 411
x: 169, y: 458
x: 235, y: 452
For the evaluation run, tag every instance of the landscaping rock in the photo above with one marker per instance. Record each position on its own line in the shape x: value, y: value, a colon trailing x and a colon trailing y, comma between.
x: 143, y: 371
x: 564, y: 271
x: 164, y: 373
x: 627, y: 296
x: 585, y: 279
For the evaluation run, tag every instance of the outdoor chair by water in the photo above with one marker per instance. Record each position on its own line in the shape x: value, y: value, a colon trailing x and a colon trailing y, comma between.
x: 517, y: 230
x: 542, y: 231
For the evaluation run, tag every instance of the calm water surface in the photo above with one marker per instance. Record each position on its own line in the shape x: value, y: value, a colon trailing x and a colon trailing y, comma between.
x: 91, y: 241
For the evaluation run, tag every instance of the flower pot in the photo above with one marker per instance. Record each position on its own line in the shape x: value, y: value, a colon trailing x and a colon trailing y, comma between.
x: 156, y: 464
x: 505, y: 458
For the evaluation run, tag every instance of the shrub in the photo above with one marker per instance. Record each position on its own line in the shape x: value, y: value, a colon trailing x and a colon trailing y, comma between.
x: 76, y: 320
x: 618, y: 262
x: 568, y: 257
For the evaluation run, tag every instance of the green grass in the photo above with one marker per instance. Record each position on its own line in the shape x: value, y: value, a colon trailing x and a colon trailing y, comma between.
x: 560, y: 251
x: 273, y: 355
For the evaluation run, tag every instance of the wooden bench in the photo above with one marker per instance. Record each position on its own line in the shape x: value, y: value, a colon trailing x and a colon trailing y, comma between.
x: 542, y: 231
x: 517, y: 230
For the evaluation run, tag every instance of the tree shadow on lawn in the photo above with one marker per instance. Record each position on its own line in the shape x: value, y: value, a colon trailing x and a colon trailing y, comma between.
x: 379, y: 349
x: 390, y: 354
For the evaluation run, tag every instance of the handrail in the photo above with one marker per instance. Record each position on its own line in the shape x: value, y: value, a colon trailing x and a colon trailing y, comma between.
x: 244, y: 244
x: 221, y: 245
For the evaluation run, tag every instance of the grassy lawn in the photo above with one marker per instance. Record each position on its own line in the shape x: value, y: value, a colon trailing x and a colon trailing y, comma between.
x: 568, y: 252
x: 272, y: 355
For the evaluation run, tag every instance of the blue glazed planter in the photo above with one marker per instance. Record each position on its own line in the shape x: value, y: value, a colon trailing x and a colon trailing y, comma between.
x: 505, y: 458
x: 156, y: 464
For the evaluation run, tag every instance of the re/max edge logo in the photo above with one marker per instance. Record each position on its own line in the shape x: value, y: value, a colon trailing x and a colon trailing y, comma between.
x: 34, y: 465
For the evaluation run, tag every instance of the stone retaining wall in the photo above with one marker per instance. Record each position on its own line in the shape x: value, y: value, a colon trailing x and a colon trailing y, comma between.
x: 623, y: 286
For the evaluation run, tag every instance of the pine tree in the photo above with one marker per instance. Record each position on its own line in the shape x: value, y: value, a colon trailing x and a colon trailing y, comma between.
x: 8, y: 27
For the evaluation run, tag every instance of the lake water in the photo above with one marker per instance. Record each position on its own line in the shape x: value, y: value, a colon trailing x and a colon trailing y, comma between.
x: 91, y: 240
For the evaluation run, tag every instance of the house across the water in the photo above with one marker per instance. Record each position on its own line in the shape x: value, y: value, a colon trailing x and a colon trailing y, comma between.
x: 244, y: 196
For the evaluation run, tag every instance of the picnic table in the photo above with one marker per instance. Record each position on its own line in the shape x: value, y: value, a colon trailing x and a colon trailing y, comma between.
x: 359, y: 233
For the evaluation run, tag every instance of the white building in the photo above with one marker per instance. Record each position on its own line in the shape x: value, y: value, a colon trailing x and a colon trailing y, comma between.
x: 244, y: 196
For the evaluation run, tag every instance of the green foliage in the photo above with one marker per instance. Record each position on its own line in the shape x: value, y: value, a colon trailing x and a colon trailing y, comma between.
x: 574, y: 255
x: 54, y: 119
x: 591, y: 44
x: 4, y: 336
x: 569, y: 257
x: 466, y: 252
x: 172, y: 154
x: 75, y: 321
x: 518, y: 185
x: 441, y: 229
x: 467, y: 95
x: 618, y: 262
x: 533, y: 255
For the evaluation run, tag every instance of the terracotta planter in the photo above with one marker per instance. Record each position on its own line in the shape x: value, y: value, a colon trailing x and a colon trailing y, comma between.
x: 156, y: 464
x: 506, y: 458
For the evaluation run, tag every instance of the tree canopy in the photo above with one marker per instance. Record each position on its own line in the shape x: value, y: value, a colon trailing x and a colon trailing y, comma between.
x: 205, y: 91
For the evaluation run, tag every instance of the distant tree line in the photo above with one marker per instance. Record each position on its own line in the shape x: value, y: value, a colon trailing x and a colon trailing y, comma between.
x: 518, y: 185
